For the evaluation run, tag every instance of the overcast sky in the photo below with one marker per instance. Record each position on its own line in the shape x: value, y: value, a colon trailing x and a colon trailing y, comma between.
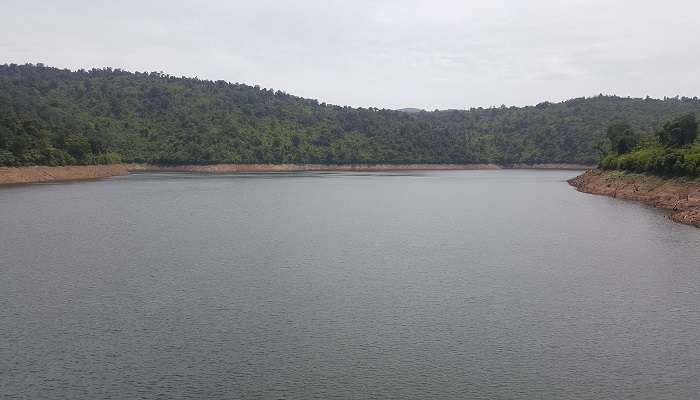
x: 409, y: 53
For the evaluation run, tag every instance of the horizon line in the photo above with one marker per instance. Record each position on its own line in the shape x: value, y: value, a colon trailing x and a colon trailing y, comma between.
x: 677, y: 97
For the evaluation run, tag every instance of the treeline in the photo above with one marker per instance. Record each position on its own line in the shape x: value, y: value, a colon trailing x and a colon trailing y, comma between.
x: 673, y: 149
x: 52, y: 116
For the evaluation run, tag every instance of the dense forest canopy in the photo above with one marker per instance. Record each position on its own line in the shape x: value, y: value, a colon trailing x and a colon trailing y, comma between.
x: 55, y: 116
x: 673, y: 149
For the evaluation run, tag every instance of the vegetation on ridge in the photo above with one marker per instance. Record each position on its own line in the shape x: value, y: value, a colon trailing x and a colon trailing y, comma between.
x: 673, y: 150
x: 51, y: 116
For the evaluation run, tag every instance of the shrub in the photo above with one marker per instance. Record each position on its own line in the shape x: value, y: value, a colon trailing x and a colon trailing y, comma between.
x: 653, y: 157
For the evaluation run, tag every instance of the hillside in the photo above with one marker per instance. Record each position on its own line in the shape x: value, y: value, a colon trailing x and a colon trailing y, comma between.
x: 410, y: 110
x: 51, y: 116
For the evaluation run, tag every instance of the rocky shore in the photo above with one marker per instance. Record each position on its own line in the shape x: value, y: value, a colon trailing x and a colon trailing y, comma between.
x: 681, y: 197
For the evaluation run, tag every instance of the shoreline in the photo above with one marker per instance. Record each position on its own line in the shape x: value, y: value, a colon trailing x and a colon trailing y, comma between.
x: 681, y: 198
x: 43, y: 174
x: 233, y: 168
x: 39, y: 174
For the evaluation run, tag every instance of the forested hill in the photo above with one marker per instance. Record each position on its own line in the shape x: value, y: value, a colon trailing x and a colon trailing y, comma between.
x: 55, y: 117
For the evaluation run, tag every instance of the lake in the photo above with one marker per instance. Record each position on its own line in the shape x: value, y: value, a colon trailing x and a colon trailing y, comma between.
x: 447, y: 285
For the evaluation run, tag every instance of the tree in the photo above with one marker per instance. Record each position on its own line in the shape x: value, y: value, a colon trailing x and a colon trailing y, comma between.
x: 77, y: 146
x: 623, y: 138
x: 673, y: 154
x: 628, y: 142
x: 679, y: 132
x: 46, y: 114
x: 601, y: 147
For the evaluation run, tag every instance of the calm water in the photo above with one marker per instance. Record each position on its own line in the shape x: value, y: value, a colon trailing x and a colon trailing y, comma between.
x: 470, y: 284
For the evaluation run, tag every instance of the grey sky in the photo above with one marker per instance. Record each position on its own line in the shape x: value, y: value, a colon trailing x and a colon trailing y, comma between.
x: 427, y: 54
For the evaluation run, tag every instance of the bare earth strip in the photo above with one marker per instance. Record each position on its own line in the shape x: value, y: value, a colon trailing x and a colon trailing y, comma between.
x: 9, y: 175
x: 681, y: 197
x: 12, y: 175
x: 230, y: 168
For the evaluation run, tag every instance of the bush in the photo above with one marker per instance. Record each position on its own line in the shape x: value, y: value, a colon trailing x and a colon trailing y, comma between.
x: 609, y: 162
x: 652, y: 157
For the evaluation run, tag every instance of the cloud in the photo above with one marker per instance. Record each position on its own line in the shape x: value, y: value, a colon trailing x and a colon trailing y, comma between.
x: 429, y: 54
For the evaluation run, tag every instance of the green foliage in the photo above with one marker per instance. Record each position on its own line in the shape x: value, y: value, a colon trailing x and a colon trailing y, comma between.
x: 77, y: 146
x: 51, y: 116
x: 7, y: 158
x: 679, y: 132
x: 623, y: 138
x: 667, y: 156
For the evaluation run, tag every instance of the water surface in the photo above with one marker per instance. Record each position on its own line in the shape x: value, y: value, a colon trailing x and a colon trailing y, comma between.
x: 449, y: 285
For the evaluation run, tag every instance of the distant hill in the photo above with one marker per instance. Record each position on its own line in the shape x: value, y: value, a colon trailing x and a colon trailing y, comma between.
x: 52, y: 116
x: 411, y: 110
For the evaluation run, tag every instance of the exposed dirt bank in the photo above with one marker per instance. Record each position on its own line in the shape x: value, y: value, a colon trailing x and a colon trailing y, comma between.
x: 10, y: 175
x: 48, y: 174
x: 679, y: 196
x: 228, y: 168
